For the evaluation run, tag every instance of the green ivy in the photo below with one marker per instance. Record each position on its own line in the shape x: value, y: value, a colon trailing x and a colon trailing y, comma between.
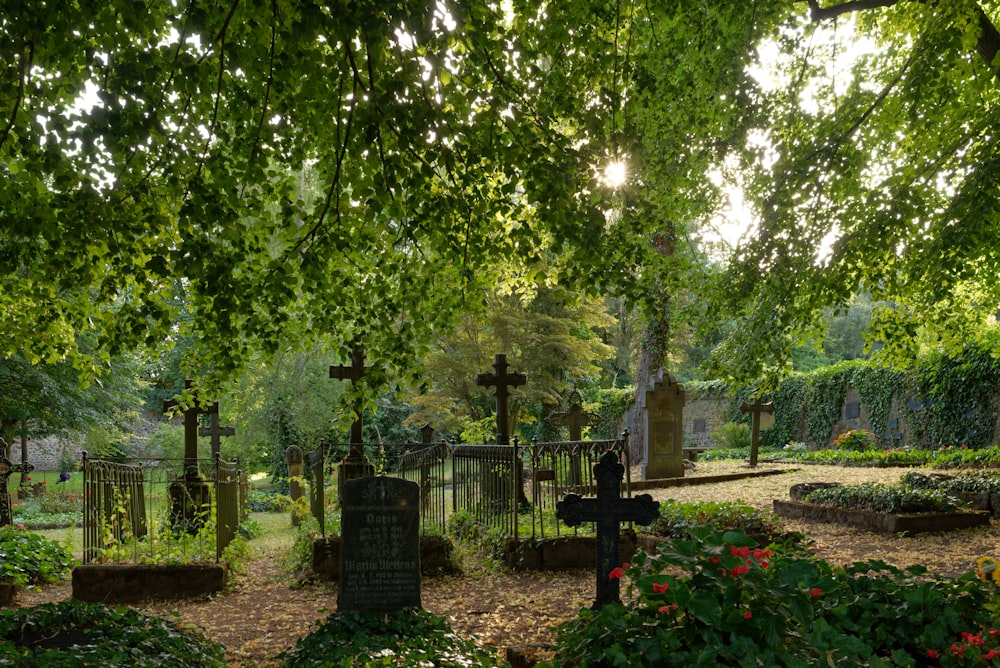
x: 28, y: 558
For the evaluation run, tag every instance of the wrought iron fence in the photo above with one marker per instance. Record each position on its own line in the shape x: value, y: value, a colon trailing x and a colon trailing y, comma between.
x: 149, y: 512
x: 425, y: 465
x: 490, y: 481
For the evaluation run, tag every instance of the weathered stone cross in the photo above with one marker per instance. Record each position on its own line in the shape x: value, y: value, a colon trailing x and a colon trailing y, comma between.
x: 6, y: 469
x: 502, y: 380
x: 608, y: 510
x: 355, y: 464
x: 214, y: 431
x: 191, y: 497
x: 755, y: 409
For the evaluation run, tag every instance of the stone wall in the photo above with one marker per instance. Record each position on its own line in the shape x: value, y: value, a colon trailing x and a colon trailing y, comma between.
x: 701, y: 417
x: 49, y: 453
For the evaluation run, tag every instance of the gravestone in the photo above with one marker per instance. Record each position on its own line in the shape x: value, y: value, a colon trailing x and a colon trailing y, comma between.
x: 664, y: 426
x: 380, y: 545
x: 502, y: 379
x: 6, y: 469
x: 574, y: 419
x: 355, y: 464
x: 215, y: 432
x: 756, y: 409
x: 190, y: 496
x: 293, y: 460
x: 608, y: 510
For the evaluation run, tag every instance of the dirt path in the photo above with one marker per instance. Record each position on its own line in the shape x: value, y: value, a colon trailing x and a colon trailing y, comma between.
x: 261, y: 615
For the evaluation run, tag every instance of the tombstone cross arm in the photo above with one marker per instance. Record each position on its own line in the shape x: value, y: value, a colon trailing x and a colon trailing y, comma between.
x: 574, y: 510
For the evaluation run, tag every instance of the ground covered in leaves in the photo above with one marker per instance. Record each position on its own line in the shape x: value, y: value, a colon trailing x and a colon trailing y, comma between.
x: 262, y: 614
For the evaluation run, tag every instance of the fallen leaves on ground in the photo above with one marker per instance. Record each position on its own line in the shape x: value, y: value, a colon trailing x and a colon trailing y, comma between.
x: 262, y: 614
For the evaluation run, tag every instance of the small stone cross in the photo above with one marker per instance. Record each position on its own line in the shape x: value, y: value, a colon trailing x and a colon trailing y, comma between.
x: 608, y: 510
x: 6, y: 469
x: 502, y: 380
x: 574, y: 419
x: 755, y: 409
x: 214, y: 431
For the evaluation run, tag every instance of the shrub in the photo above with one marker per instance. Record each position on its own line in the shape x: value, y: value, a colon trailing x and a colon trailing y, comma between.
x: 408, y: 637
x: 859, y: 440
x: 268, y: 501
x: 73, y: 633
x: 884, y: 498
x: 720, y: 600
x: 982, y: 482
x: 28, y: 558
x: 61, y: 501
x: 677, y: 519
x: 732, y: 435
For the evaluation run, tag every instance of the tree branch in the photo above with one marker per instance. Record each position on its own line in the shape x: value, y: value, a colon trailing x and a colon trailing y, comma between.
x: 26, y: 62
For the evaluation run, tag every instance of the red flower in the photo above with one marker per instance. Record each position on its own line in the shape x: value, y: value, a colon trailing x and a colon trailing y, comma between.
x: 739, y: 570
x: 815, y: 591
x: 667, y: 609
x: 657, y: 587
x: 747, y: 615
x: 932, y: 654
x: 739, y: 551
x: 973, y: 639
x: 994, y: 633
x: 992, y: 654
x: 714, y: 560
x: 958, y: 650
x: 615, y: 573
x: 764, y: 564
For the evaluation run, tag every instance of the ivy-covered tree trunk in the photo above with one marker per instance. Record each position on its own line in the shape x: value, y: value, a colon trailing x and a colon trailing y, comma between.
x: 652, y: 356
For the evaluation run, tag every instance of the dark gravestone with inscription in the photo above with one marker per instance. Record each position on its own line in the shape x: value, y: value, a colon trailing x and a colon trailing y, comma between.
x: 608, y: 510
x: 380, y: 544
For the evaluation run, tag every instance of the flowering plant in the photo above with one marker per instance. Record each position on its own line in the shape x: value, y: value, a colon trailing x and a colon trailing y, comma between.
x: 720, y: 599
x: 857, y: 440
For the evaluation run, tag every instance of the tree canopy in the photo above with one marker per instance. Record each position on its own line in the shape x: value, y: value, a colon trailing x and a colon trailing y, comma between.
x: 146, y: 148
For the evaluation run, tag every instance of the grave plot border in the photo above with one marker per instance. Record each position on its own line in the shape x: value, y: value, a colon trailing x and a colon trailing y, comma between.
x: 884, y: 523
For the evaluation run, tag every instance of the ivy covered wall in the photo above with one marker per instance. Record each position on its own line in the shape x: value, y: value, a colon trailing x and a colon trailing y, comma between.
x: 941, y: 401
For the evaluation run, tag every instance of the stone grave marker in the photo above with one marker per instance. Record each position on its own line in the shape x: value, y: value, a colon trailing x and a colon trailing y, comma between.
x: 190, y: 496
x: 664, y: 426
x: 503, y: 379
x: 756, y: 409
x: 214, y: 431
x: 380, y: 545
x: 355, y: 464
x: 608, y: 510
x: 293, y: 460
x: 6, y: 469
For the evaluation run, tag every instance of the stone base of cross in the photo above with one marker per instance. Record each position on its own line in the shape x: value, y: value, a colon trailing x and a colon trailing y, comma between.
x: 608, y: 510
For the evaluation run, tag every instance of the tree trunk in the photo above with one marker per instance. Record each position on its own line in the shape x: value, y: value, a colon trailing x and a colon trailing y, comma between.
x: 652, y: 357
x: 24, y: 453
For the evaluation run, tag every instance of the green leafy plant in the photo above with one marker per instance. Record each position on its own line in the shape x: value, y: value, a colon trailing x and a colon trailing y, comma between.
x: 268, y: 501
x: 74, y: 633
x: 965, y: 482
x: 28, y: 558
x: 883, y: 498
x: 677, y: 519
x: 732, y: 435
x: 410, y: 637
x: 718, y: 599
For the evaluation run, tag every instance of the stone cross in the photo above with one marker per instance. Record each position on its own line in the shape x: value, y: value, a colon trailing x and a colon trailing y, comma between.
x: 608, y: 510
x: 501, y: 379
x: 755, y: 409
x: 574, y: 419
x: 356, y: 464
x: 191, y: 497
x: 214, y: 431
x: 6, y: 469
x: 191, y: 414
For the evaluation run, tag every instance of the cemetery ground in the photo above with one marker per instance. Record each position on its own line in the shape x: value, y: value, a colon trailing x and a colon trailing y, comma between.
x: 265, y: 610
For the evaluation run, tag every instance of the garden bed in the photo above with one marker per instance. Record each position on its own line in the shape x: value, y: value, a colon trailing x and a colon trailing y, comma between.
x: 132, y: 583
x: 884, y: 523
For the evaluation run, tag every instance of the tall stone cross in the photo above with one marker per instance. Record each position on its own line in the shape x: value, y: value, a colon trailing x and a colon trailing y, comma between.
x: 191, y: 414
x: 214, y: 431
x: 755, y: 409
x: 501, y: 379
x: 574, y: 419
x: 6, y: 469
x: 356, y: 464
x: 190, y: 498
x: 608, y: 510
